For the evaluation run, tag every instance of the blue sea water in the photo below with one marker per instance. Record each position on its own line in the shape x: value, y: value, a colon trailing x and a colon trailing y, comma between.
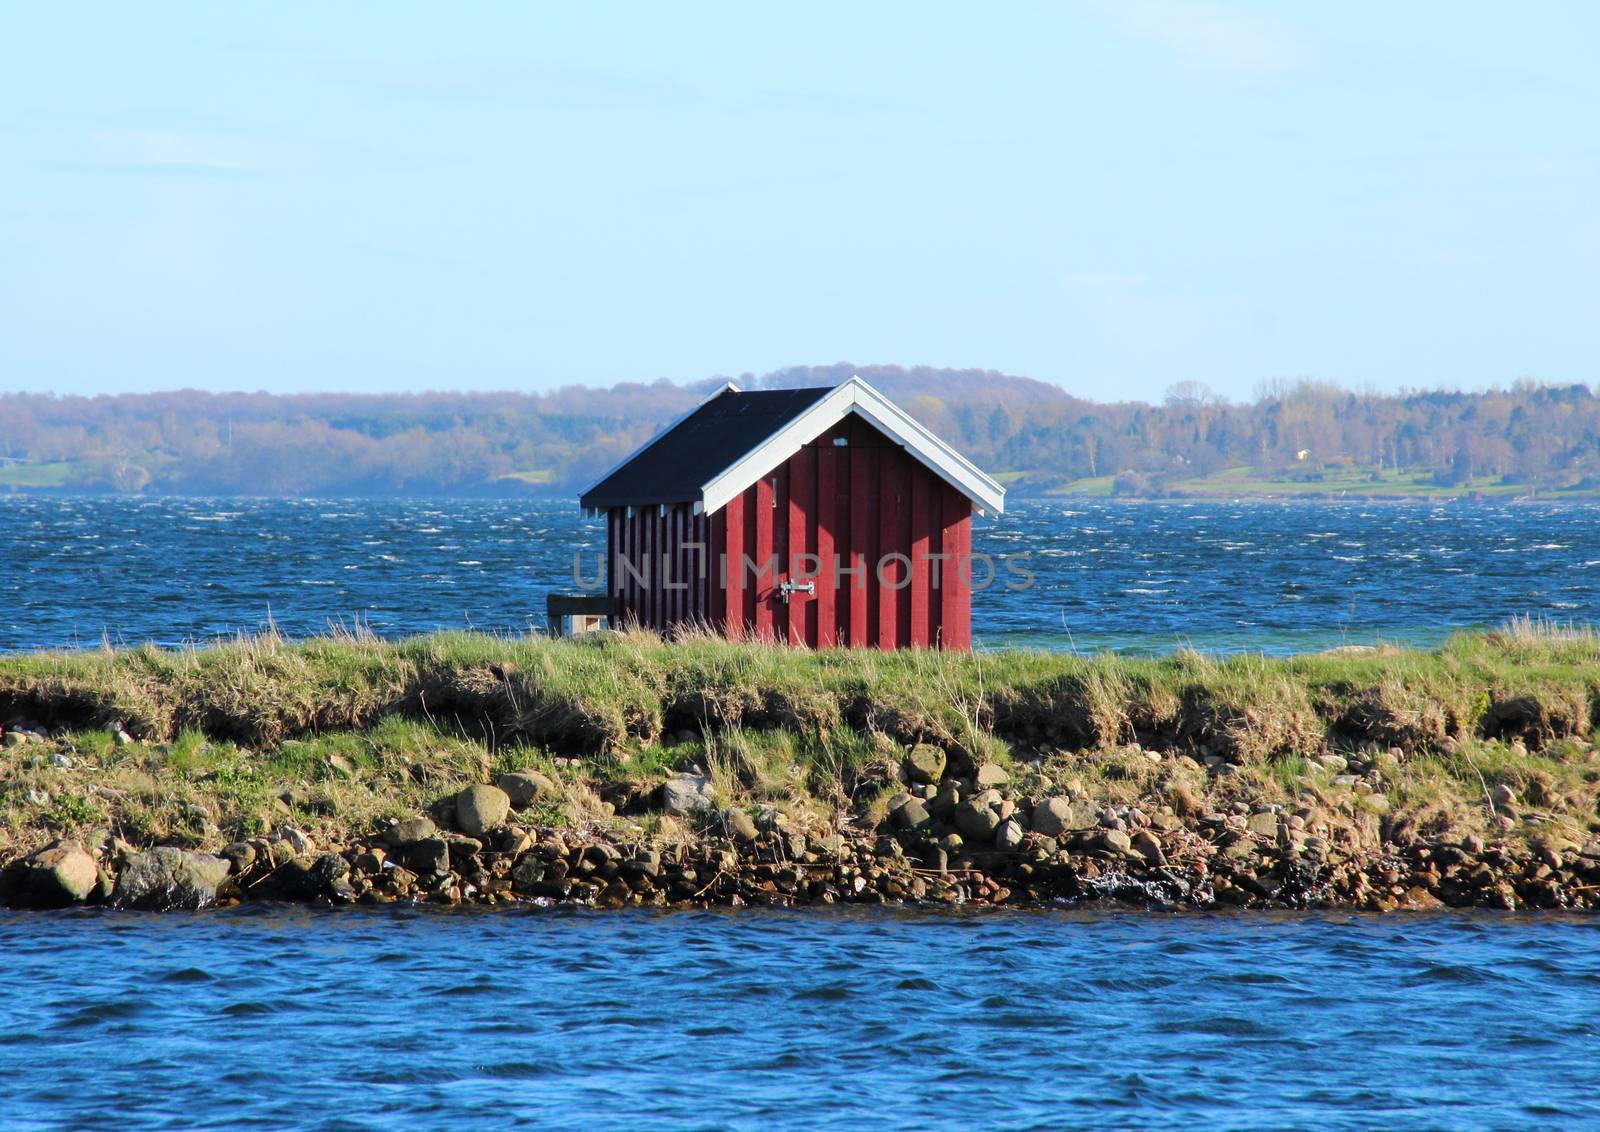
x: 376, y: 1019
x: 1270, y: 577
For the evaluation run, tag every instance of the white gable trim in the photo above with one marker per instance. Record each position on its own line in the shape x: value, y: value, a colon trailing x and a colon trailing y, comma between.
x: 856, y: 396
x: 730, y: 387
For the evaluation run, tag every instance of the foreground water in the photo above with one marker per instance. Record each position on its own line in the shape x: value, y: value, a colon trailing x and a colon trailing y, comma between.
x: 1277, y: 578
x: 271, y: 1018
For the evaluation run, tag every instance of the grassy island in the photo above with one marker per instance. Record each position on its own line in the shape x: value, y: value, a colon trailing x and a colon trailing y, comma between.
x: 624, y: 770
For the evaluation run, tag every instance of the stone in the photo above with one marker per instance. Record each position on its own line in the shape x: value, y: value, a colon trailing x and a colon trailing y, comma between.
x: 480, y: 809
x: 298, y: 840
x: 169, y: 878
x: 991, y: 774
x: 1262, y: 825
x: 529, y: 871
x: 430, y: 855
x: 329, y: 869
x: 525, y: 787
x: 685, y: 794
x: 240, y: 855
x: 741, y: 826
x: 1148, y: 846
x: 369, y: 862
x: 1054, y: 816
x: 1375, y: 803
x: 409, y: 832
x: 925, y: 763
x: 1010, y: 834
x: 976, y: 821
x: 833, y: 844
x: 910, y: 815
x: 1115, y: 840
x: 1503, y: 795
x: 943, y: 804
x: 63, y: 874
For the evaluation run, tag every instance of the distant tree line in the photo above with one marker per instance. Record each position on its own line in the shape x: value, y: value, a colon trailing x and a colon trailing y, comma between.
x: 1038, y: 435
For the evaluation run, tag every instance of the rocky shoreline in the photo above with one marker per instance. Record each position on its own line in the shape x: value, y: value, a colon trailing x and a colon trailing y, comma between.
x: 949, y: 836
x: 623, y: 770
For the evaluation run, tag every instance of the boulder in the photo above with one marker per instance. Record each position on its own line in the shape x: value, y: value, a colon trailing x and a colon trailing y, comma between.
x: 991, y: 774
x: 943, y: 804
x: 240, y: 855
x: 169, y: 878
x: 430, y: 855
x: 925, y: 764
x: 684, y: 794
x: 481, y: 808
x: 409, y: 832
x: 912, y: 814
x: 525, y: 787
x: 1054, y: 816
x: 63, y: 874
x: 1010, y: 834
x: 976, y: 821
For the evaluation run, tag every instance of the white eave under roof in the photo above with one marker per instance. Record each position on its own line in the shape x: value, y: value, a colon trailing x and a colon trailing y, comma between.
x: 856, y: 396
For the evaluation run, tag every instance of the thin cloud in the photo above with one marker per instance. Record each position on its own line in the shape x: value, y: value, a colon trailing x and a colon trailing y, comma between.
x: 1210, y: 36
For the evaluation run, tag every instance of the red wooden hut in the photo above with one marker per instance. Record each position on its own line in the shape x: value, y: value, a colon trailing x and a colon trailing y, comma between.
x: 814, y: 517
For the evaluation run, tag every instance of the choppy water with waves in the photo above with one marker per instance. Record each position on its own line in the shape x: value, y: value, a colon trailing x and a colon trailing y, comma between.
x: 374, y: 1019
x: 1271, y: 577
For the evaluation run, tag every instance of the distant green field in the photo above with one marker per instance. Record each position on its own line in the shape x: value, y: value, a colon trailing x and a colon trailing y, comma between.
x: 35, y: 475
x: 1352, y: 480
x: 532, y: 475
x: 1098, y: 485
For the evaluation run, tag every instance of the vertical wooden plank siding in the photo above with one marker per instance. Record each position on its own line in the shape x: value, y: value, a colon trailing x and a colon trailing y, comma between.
x: 731, y: 545
x: 823, y: 613
x: 842, y: 513
x: 761, y: 584
x: 955, y: 614
x: 719, y: 599
x: 863, y: 513
x: 917, y: 626
x: 801, y: 609
x: 935, y: 539
x: 887, y: 573
x: 827, y: 509
x: 613, y: 549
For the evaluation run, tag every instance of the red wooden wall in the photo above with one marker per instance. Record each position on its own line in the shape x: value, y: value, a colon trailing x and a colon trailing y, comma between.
x: 866, y: 502
x: 658, y: 579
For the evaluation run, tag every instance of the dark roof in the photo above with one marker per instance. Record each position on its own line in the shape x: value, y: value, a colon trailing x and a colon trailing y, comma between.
x: 677, y: 464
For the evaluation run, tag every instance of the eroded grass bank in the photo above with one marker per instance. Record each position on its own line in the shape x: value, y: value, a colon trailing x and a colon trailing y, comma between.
x: 1360, y: 756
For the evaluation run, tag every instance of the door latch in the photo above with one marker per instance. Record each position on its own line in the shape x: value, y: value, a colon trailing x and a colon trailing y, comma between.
x: 788, y: 589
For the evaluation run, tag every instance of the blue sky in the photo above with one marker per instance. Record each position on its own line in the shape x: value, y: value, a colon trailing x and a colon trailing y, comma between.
x: 1113, y: 196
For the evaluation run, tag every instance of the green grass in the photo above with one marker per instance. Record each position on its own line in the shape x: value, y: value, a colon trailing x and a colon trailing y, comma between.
x: 1358, y: 480
x: 48, y: 475
x: 1094, y: 486
x: 339, y: 734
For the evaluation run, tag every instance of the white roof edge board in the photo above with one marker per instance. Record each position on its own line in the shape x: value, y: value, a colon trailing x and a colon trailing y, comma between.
x: 884, y: 415
x: 730, y: 387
